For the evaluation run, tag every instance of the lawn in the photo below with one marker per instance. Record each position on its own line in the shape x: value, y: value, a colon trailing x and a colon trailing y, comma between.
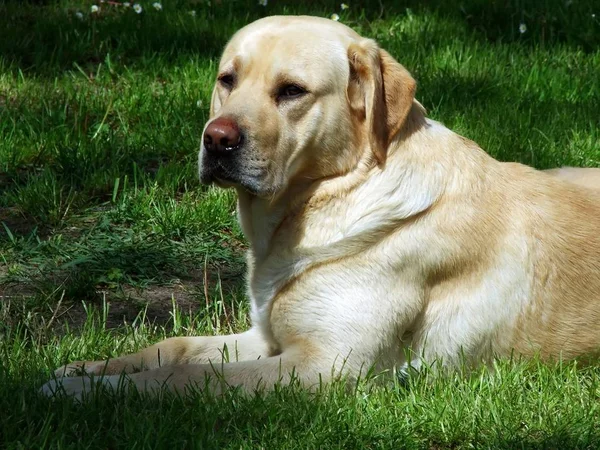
x: 108, y: 242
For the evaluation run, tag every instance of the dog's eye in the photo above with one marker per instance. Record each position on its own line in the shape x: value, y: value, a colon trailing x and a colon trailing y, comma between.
x: 227, y: 80
x: 290, y: 91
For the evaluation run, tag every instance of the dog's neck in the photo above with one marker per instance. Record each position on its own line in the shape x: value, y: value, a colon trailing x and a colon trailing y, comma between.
x: 258, y: 218
x: 261, y: 218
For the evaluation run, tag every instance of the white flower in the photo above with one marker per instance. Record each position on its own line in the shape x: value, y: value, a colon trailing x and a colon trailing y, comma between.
x: 334, y: 17
x: 79, y: 15
x: 199, y: 104
x: 593, y: 16
x: 137, y: 8
x: 343, y: 6
x: 192, y: 13
x: 263, y: 2
x: 157, y: 6
x: 522, y: 28
x: 95, y: 8
x: 126, y: 4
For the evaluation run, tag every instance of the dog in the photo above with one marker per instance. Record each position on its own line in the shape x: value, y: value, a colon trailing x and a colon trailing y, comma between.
x: 379, y: 239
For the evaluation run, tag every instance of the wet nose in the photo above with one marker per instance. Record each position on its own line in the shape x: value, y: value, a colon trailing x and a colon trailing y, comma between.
x: 222, y: 135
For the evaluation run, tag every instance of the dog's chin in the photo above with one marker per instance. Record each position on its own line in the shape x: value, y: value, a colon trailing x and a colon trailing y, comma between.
x: 249, y: 184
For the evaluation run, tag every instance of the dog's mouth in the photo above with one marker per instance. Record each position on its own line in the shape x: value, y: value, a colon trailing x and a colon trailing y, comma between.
x: 221, y: 174
x: 224, y: 176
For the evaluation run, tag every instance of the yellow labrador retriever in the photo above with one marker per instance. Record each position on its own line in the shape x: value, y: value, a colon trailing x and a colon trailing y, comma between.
x: 379, y: 238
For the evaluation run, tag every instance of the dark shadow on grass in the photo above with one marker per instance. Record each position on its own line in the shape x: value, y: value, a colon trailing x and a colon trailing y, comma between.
x: 289, y: 418
x: 45, y: 39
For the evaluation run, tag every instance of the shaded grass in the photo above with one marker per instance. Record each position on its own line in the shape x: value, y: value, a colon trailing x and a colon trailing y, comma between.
x: 100, y: 124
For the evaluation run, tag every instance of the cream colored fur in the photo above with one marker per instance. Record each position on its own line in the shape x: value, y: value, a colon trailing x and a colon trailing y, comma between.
x: 379, y: 237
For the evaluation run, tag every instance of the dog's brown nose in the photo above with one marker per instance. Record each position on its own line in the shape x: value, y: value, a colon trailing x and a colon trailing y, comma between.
x: 222, y: 135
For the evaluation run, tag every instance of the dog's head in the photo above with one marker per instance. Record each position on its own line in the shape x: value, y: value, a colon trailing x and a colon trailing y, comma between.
x: 300, y: 99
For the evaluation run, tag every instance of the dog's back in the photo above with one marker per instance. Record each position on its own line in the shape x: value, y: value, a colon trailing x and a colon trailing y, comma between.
x: 585, y: 177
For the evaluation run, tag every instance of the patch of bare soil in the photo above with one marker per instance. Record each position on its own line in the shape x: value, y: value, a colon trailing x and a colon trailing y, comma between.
x: 15, y: 221
x: 126, y: 303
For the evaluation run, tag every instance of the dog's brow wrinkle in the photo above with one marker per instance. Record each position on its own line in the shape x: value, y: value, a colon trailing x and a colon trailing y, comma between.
x: 237, y: 63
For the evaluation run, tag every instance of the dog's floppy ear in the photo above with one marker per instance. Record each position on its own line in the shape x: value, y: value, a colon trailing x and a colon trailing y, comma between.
x: 380, y: 91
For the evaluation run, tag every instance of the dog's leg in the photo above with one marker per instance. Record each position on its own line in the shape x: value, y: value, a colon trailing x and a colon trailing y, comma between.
x: 309, y: 369
x: 177, y: 350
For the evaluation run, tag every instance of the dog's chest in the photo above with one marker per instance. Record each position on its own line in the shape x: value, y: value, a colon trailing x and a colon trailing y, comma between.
x: 266, y: 280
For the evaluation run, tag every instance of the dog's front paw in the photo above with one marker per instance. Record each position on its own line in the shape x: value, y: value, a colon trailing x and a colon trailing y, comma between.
x: 77, y: 387
x: 70, y: 386
x: 78, y: 368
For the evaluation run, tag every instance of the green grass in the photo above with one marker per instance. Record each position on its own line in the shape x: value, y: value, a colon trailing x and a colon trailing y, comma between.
x: 100, y: 123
